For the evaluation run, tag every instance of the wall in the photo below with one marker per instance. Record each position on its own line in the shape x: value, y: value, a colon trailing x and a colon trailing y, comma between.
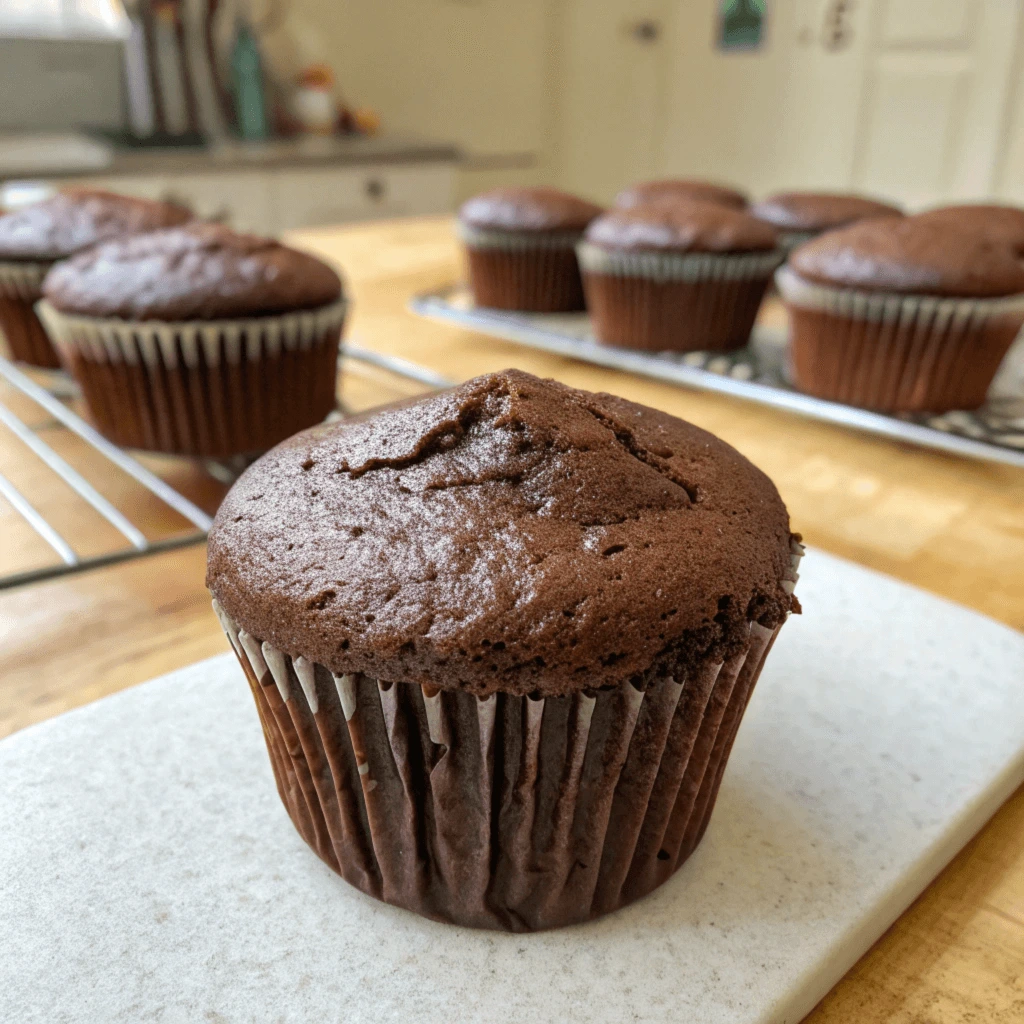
x: 474, y: 72
x: 561, y: 91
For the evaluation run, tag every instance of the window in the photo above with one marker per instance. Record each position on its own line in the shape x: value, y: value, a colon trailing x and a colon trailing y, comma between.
x: 74, y: 19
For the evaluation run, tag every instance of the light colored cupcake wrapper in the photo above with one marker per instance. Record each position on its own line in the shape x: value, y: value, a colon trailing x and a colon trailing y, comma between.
x: 674, y: 266
x: 457, y: 808
x: 857, y: 304
x: 22, y: 280
x: 516, y: 241
x: 157, y: 343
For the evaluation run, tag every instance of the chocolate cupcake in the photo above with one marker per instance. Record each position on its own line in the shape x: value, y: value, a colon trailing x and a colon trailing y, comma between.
x: 904, y: 315
x: 501, y: 640
x: 690, y: 190
x: 677, y: 277
x: 36, y: 236
x: 1001, y: 223
x: 800, y: 216
x: 520, y: 244
x: 198, y: 341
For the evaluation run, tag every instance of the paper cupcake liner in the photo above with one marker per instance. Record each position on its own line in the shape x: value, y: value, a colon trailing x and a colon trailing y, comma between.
x: 22, y: 279
x: 528, y: 271
x: 507, y: 813
x: 214, y: 389
x: 896, y: 353
x: 691, y: 267
x: 677, y: 302
x: 540, y: 280
x: 20, y: 287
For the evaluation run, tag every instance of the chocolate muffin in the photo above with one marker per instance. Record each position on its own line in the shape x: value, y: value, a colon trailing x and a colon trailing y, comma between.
x: 908, y: 315
x: 197, y: 340
x: 679, y: 277
x: 1002, y: 223
x: 647, y: 192
x: 501, y: 640
x: 800, y: 216
x: 33, y: 238
x: 520, y: 244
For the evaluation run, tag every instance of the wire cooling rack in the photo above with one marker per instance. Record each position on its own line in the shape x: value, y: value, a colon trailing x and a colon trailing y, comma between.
x: 70, y: 560
x: 137, y: 545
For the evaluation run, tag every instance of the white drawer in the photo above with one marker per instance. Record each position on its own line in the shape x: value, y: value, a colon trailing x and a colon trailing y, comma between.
x: 310, y: 198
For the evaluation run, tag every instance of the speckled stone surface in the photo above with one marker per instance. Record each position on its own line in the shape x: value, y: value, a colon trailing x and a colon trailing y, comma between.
x: 148, y: 871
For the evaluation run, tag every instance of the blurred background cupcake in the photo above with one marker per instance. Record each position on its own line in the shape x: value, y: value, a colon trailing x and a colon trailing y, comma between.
x: 197, y: 340
x: 521, y: 248
x: 681, y: 277
x: 909, y: 315
x: 35, y: 236
x: 646, y: 192
x: 800, y: 216
x: 1002, y: 223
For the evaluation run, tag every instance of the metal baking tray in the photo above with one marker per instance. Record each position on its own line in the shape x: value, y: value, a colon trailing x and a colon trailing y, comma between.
x: 758, y: 373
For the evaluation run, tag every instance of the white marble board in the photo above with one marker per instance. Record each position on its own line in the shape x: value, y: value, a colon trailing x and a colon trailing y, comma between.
x: 148, y: 871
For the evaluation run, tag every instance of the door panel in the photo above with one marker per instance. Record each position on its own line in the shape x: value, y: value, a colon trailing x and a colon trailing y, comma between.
x: 914, y: 120
x: 610, y: 66
x: 926, y: 22
x: 937, y: 95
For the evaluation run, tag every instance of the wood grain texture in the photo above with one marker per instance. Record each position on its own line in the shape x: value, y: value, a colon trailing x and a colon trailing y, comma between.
x: 948, y: 524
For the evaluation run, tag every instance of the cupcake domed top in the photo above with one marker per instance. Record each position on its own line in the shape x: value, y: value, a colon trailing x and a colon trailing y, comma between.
x: 819, y: 211
x: 511, y: 534
x: 198, y: 271
x: 1003, y: 223
x: 914, y: 255
x: 680, y: 227
x: 646, y: 192
x: 527, y: 209
x: 76, y: 218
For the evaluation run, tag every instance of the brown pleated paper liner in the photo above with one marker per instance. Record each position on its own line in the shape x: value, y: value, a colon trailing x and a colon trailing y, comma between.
x: 507, y: 813
x: 675, y: 302
x: 524, y: 271
x: 20, y: 289
x: 896, y: 353
x: 213, y: 389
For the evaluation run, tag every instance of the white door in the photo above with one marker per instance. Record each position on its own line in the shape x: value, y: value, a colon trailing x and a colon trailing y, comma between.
x: 901, y: 98
x: 937, y: 92
x: 608, y: 73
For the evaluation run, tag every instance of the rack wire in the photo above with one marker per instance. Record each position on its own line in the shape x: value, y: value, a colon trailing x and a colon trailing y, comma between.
x: 138, y: 545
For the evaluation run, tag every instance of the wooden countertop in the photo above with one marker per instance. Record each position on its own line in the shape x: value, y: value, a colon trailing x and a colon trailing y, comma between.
x: 950, y: 525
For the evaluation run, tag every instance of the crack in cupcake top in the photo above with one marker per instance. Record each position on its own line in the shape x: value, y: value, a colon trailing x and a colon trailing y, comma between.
x: 199, y: 271
x: 527, y: 209
x: 77, y: 218
x: 510, y: 535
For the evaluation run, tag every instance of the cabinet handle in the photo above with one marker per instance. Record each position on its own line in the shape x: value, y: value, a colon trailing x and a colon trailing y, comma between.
x: 646, y: 31
x: 376, y: 189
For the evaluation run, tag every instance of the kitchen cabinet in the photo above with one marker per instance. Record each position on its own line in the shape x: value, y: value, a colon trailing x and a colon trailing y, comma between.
x: 273, y: 199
